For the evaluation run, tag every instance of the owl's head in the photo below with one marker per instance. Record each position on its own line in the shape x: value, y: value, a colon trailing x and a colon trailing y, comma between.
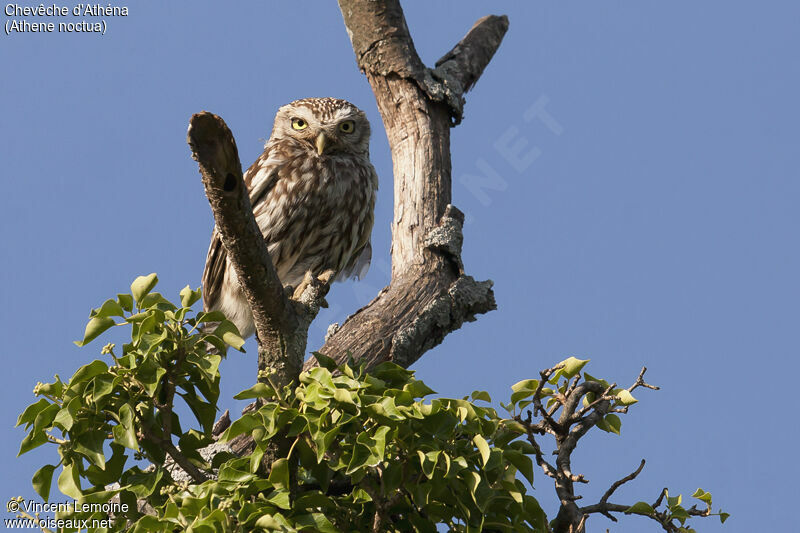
x: 327, y: 125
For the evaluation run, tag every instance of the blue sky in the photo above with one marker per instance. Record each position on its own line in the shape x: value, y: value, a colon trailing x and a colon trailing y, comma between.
x: 649, y: 217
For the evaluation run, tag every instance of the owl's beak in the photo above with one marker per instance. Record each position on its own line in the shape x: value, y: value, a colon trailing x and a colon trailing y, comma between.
x: 321, y: 142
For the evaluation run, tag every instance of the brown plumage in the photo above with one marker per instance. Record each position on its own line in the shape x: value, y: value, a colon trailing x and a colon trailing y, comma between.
x: 313, y: 195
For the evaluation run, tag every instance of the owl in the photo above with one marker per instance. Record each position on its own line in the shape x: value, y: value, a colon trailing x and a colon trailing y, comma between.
x: 313, y: 195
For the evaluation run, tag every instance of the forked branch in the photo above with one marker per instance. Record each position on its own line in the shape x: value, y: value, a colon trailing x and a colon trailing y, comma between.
x: 429, y: 295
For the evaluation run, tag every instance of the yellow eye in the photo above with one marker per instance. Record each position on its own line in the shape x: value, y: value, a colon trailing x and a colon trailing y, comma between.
x: 299, y: 124
x: 348, y: 126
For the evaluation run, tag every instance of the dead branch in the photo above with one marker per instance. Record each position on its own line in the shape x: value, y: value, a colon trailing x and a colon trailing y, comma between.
x: 429, y: 295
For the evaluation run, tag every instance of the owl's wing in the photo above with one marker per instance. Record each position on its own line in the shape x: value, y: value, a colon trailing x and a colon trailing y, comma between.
x: 260, y: 178
x: 214, y: 272
x: 359, y: 266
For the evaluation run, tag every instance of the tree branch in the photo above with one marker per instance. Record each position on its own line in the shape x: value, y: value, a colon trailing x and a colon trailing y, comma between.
x: 429, y: 295
x: 281, y: 325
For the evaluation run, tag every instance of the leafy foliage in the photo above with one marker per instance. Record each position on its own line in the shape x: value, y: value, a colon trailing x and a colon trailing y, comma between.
x: 364, y: 451
x: 104, y: 414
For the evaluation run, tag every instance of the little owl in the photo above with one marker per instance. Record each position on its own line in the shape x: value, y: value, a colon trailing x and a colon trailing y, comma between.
x: 313, y: 194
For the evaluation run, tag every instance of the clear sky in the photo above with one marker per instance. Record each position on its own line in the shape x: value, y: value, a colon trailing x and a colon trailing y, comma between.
x: 651, y: 218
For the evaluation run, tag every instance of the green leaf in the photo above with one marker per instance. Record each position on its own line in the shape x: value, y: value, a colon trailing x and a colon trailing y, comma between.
x: 66, y: 416
x: 30, y: 412
x: 324, y: 361
x: 68, y: 482
x: 95, y: 327
x: 32, y: 440
x: 259, y: 390
x: 243, y: 424
x: 723, y: 517
x: 109, y: 308
x: 674, y: 501
x: 189, y: 297
x: 142, y: 285
x: 523, y: 389
x: 44, y: 420
x: 149, y: 374
x: 680, y: 514
x: 418, y: 389
x: 102, y: 386
x: 343, y: 396
x: 324, y: 442
x: 392, y: 373
x: 481, y: 395
x: 361, y: 457
x: 211, y: 316
x: 379, y: 441
x: 521, y: 462
x: 386, y: 408
x: 142, y: 484
x: 42, y: 480
x: 571, y: 367
x: 229, y: 334
x: 514, y: 426
x: 155, y: 300
x: 274, y: 522
x: 589, y: 377
x: 204, y: 412
x: 316, y: 522
x: 125, y: 301
x: 641, y: 508
x: 124, y: 434
x: 52, y: 389
x: 112, y: 470
x: 100, y: 496
x: 87, y: 372
x: 473, y: 479
x: 428, y: 462
x: 612, y: 423
x: 392, y: 476
x: 625, y: 398
x: 90, y: 445
x: 703, y: 496
x: 483, y: 448
x: 279, y: 473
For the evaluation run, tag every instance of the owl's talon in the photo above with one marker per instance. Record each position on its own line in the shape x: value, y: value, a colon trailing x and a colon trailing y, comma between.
x: 308, y: 279
x: 326, y: 277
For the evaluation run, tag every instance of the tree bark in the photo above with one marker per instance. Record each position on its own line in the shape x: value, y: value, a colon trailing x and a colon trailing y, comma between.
x: 281, y: 324
x: 429, y: 295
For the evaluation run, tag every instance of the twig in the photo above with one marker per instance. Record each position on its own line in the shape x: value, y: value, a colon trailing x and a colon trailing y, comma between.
x: 640, y: 382
x: 617, y: 484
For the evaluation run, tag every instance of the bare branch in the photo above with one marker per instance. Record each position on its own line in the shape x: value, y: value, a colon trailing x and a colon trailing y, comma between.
x: 619, y: 483
x: 460, y: 68
x: 538, y: 408
x: 429, y: 295
x: 660, y: 498
x: 640, y: 382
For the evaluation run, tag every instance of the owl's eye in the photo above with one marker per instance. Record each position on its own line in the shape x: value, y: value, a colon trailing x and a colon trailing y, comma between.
x: 348, y: 126
x: 299, y: 124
